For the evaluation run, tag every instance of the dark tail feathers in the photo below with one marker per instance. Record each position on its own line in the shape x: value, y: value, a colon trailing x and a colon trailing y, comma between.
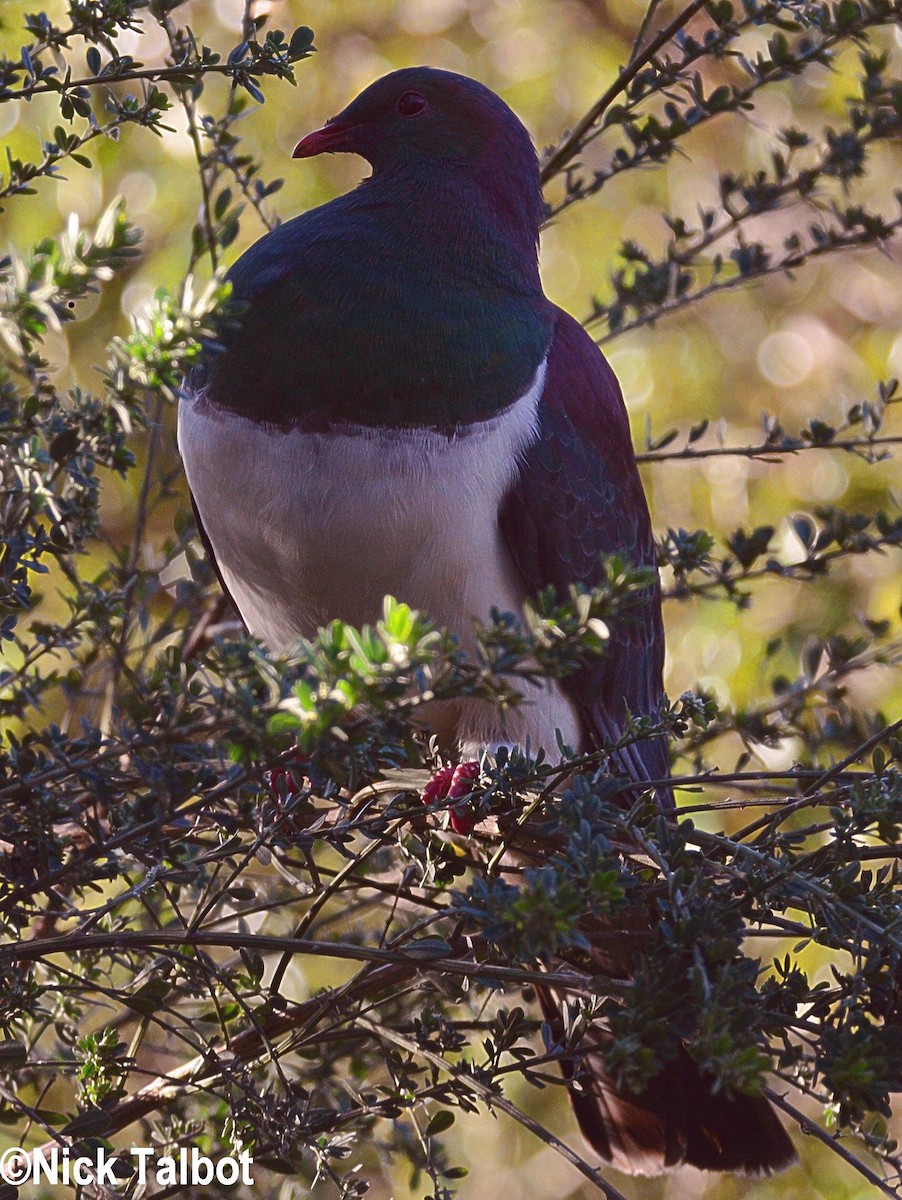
x: 676, y: 1120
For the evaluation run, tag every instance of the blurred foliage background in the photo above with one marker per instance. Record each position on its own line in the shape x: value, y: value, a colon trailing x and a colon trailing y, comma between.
x: 802, y: 346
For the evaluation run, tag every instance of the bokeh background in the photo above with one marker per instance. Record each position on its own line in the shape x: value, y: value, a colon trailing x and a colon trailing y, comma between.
x: 804, y: 347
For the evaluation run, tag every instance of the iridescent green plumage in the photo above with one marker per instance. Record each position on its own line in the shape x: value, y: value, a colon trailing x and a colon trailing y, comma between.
x: 414, y: 300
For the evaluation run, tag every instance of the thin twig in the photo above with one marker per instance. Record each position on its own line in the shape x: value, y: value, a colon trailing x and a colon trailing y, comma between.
x: 176, y: 72
x: 849, y: 241
x: 124, y: 940
x: 644, y: 26
x: 763, y: 450
x: 837, y: 769
x: 571, y: 143
x: 494, y: 1099
x: 808, y: 1126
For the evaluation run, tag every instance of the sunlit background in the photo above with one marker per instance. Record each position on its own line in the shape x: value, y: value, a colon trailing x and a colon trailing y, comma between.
x: 800, y: 348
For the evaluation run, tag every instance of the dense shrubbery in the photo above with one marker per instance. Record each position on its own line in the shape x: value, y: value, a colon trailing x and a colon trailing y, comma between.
x: 163, y: 866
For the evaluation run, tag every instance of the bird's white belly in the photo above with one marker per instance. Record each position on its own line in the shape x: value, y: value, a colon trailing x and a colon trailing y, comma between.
x: 311, y: 526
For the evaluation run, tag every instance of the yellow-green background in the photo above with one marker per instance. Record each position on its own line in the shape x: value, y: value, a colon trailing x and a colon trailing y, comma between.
x: 810, y: 346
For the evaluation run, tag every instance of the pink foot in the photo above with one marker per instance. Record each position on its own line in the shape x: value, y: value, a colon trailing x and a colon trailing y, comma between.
x: 285, y: 781
x: 456, y: 784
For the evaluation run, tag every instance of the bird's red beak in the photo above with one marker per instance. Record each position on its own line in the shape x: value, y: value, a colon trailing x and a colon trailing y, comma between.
x: 331, y: 139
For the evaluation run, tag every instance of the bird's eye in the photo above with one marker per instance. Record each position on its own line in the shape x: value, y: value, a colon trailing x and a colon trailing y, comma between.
x: 411, y: 103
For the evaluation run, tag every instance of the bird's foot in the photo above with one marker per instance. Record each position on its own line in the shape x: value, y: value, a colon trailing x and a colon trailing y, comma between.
x: 455, y: 784
x: 286, y: 780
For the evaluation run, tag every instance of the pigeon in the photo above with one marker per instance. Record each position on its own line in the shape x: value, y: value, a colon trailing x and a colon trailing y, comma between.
x: 399, y: 409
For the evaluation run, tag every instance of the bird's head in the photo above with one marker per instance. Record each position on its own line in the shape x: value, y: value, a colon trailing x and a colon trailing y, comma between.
x: 425, y: 117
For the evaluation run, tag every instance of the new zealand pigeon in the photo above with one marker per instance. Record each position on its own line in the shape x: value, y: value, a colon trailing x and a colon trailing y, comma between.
x: 401, y: 410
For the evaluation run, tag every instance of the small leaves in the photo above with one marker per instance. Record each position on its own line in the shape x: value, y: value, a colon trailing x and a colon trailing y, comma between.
x: 651, y: 285
x: 166, y: 341
x: 103, y: 1063
x: 748, y: 547
x: 36, y: 293
x: 189, y: 823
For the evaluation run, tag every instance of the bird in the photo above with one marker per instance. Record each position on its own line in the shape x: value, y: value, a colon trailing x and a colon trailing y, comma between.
x: 399, y: 409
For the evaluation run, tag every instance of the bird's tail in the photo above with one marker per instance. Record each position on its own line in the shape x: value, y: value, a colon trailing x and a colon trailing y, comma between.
x: 677, y: 1119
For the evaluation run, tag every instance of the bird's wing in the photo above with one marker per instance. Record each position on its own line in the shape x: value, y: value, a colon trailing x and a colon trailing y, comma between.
x: 578, y: 496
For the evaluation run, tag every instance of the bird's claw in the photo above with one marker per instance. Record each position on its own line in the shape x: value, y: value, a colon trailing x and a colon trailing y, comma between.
x: 455, y: 784
x: 286, y: 781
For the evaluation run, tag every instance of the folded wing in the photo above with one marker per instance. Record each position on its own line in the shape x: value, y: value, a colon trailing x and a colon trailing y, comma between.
x: 579, y: 497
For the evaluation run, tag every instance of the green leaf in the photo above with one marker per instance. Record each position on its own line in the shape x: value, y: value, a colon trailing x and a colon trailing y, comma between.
x: 301, y: 43
x: 93, y: 1123
x: 440, y: 1122
x: 283, y: 722
x: 223, y: 200
x: 427, y: 947
x: 147, y: 998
